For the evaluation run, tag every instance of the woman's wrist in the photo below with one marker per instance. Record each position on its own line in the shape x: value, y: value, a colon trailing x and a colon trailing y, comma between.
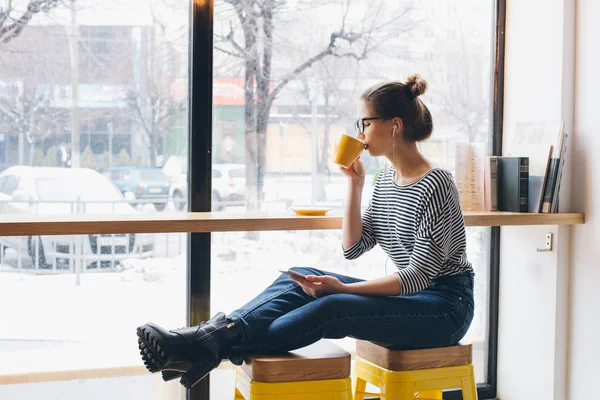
x: 357, y: 182
x: 345, y: 288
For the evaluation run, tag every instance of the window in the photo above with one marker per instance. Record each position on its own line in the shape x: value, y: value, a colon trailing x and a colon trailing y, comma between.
x: 316, y: 101
x: 102, y: 86
x: 135, y: 85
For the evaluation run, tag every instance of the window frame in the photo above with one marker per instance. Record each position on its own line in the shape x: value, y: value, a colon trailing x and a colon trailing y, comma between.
x: 200, y: 176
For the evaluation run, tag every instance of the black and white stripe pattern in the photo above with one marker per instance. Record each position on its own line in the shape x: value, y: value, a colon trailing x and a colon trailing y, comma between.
x: 420, y: 226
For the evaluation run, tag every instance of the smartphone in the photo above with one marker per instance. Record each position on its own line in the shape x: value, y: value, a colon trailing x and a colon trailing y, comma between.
x: 294, y: 273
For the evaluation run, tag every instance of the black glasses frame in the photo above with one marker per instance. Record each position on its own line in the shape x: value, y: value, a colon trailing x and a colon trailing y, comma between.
x: 359, y: 124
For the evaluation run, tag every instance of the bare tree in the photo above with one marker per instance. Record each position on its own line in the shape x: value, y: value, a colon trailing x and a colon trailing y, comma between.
x: 256, y: 25
x: 14, y: 18
x: 28, y: 111
x: 155, y: 108
x: 463, y: 95
x: 155, y: 112
x: 337, y: 92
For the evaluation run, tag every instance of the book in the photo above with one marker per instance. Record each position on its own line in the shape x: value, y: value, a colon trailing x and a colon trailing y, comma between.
x: 469, y: 171
x: 513, y: 184
x: 490, y: 183
x: 553, y: 173
x: 535, y: 191
x: 555, y: 196
x: 539, y: 193
x: 537, y: 141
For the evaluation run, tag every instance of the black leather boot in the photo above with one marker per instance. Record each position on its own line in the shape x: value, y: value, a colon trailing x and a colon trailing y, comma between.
x: 190, y: 352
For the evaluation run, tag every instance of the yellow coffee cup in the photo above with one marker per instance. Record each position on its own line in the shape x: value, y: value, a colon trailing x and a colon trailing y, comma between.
x: 347, y: 150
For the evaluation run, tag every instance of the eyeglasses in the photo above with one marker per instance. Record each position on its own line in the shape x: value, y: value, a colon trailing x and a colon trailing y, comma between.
x: 359, y: 124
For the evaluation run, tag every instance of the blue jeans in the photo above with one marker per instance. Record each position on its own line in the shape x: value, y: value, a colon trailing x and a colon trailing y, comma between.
x: 284, y: 318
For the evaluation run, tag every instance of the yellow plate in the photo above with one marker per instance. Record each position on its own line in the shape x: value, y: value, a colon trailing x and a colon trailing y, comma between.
x: 314, y: 211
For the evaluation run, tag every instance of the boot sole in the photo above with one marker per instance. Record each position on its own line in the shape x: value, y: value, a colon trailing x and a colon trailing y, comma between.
x: 154, y: 359
x: 190, y: 378
x: 169, y: 375
x: 151, y: 345
x: 153, y: 354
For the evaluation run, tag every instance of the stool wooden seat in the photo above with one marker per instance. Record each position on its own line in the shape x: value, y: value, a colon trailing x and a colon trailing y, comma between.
x: 318, y: 371
x: 413, y: 374
x: 408, y: 360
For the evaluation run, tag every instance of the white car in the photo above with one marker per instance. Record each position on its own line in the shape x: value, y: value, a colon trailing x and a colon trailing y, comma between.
x: 228, y: 185
x: 59, y: 191
x: 228, y: 182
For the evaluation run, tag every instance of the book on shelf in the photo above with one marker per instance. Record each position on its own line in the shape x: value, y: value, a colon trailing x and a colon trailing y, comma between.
x: 551, y: 191
x: 490, y: 183
x: 513, y: 184
x: 539, y: 141
x: 556, y: 196
x: 469, y: 175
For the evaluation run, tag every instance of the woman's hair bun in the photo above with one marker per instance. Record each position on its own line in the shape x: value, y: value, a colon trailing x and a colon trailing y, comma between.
x: 416, y: 85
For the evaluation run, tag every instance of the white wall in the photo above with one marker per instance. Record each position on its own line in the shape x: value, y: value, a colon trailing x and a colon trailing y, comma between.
x: 534, y: 287
x: 584, y: 326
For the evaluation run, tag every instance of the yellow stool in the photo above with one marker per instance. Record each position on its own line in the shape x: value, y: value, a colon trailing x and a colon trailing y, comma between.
x: 413, y: 374
x: 320, y: 371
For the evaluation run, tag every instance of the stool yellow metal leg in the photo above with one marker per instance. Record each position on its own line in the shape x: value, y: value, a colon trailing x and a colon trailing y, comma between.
x: 415, y: 384
x: 469, y: 390
x: 398, y: 391
x: 430, y: 395
x: 360, y: 386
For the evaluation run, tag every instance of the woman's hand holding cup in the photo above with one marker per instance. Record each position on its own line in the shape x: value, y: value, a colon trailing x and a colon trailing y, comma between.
x: 356, y: 172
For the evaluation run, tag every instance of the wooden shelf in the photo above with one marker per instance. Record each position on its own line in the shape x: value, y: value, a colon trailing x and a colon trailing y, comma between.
x: 496, y: 218
x: 15, y: 225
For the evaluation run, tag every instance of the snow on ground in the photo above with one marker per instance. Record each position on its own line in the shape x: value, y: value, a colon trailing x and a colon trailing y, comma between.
x: 52, y: 311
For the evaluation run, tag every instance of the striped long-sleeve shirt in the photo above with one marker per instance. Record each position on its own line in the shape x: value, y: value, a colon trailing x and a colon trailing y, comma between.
x: 420, y: 226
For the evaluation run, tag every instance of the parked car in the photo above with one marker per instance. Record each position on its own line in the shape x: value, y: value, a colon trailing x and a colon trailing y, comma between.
x: 59, y: 191
x: 141, y: 184
x: 228, y: 182
x: 228, y: 185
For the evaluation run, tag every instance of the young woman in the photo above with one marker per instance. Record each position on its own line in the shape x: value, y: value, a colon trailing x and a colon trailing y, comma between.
x: 414, y: 215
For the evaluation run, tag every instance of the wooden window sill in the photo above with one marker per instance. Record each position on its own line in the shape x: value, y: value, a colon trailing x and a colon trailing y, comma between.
x: 232, y: 222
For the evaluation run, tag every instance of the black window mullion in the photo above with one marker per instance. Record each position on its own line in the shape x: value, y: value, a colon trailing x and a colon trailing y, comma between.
x: 497, y: 130
x: 199, y: 167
